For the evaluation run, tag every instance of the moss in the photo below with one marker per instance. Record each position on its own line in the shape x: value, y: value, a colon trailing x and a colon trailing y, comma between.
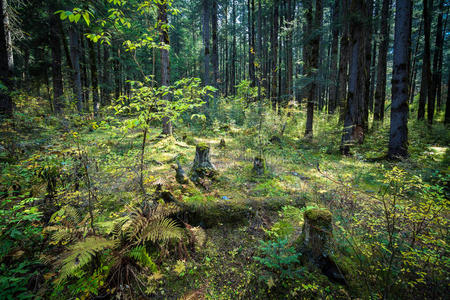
x: 319, y: 216
x: 202, y: 146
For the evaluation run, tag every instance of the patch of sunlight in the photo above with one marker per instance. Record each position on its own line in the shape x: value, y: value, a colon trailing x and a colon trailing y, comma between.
x: 437, y: 150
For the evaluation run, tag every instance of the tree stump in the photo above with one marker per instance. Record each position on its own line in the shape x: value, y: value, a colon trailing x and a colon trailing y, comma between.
x: 317, y: 233
x: 259, y: 165
x: 202, y: 164
x: 180, y: 176
x: 222, y: 144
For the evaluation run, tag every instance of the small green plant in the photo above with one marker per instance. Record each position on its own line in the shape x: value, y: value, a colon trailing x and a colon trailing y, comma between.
x: 279, y: 259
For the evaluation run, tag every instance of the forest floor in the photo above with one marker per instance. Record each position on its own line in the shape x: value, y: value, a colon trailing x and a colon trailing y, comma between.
x: 238, y: 209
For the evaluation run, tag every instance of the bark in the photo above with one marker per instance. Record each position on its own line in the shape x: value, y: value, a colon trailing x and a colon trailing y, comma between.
x: 436, y: 76
x: 354, y: 116
x: 447, y: 104
x: 426, y: 72
x: 215, y: 47
x: 344, y: 58
x: 206, y: 36
x: 274, y: 47
x: 6, y: 104
x: 55, y: 45
x: 94, y: 77
x: 202, y: 166
x: 233, y: 51
x: 366, y: 66
x: 251, y: 40
x: 106, y: 86
x: 314, y: 41
x: 374, y: 59
x: 332, y: 102
x: 75, y: 60
x: 165, y: 64
x: 412, y: 84
x: 398, y: 138
x: 289, y: 49
x: 380, y: 91
x: 439, y: 69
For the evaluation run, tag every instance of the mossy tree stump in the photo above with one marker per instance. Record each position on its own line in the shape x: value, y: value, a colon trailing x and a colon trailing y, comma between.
x: 317, y: 233
x: 259, y: 165
x: 202, y: 164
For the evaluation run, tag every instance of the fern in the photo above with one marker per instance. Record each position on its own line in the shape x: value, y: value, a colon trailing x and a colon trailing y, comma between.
x: 81, y: 254
x: 140, y: 254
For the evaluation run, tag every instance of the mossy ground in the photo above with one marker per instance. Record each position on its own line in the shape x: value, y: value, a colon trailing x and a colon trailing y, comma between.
x: 238, y: 208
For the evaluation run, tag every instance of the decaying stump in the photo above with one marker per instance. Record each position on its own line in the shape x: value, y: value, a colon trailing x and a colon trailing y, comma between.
x: 202, y: 168
x: 180, y: 176
x: 222, y: 144
x: 259, y: 165
x: 317, y: 232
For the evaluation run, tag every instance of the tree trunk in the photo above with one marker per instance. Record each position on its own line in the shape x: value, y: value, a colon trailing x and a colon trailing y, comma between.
x: 398, y: 138
x: 426, y: 72
x: 447, y: 104
x: 274, y: 47
x: 215, y: 51
x: 206, y: 35
x: 366, y: 66
x: 75, y: 59
x: 202, y: 166
x: 314, y: 41
x: 380, y: 91
x: 344, y: 58
x: 94, y: 77
x: 106, y: 86
x: 55, y: 45
x: 84, y: 72
x: 437, y: 53
x: 374, y: 58
x: 439, y: 69
x: 165, y: 64
x: 251, y: 40
x: 332, y: 103
x: 412, y: 83
x: 289, y: 49
x: 233, y: 51
x: 354, y: 116
x: 6, y: 104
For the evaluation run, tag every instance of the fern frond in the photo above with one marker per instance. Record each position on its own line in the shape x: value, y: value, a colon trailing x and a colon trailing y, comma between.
x: 140, y: 254
x: 159, y: 230
x: 81, y: 254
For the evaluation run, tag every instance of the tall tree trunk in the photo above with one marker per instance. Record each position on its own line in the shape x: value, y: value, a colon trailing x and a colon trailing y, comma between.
x: 412, y: 83
x: 55, y: 45
x: 380, y: 91
x: 6, y: 104
x: 206, y: 35
x: 398, y: 138
x: 426, y: 72
x: 233, y: 50
x: 289, y: 49
x: 116, y: 68
x: 84, y: 72
x: 437, y: 53
x: 374, y: 58
x: 75, y: 59
x: 94, y: 77
x: 447, y: 104
x: 251, y: 40
x: 366, y: 66
x: 215, y: 47
x: 354, y: 116
x: 274, y: 47
x: 439, y: 69
x: 344, y: 58
x: 227, y: 61
x: 165, y: 64
x: 106, y: 86
x: 332, y: 103
x: 314, y: 41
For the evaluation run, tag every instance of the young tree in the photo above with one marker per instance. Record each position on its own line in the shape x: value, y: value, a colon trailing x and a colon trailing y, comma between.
x: 398, y: 137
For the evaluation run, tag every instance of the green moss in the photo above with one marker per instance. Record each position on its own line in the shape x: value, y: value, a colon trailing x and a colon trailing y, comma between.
x: 202, y: 146
x: 319, y: 216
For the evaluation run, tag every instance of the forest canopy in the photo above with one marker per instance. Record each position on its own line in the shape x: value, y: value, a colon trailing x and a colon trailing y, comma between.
x: 224, y: 149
